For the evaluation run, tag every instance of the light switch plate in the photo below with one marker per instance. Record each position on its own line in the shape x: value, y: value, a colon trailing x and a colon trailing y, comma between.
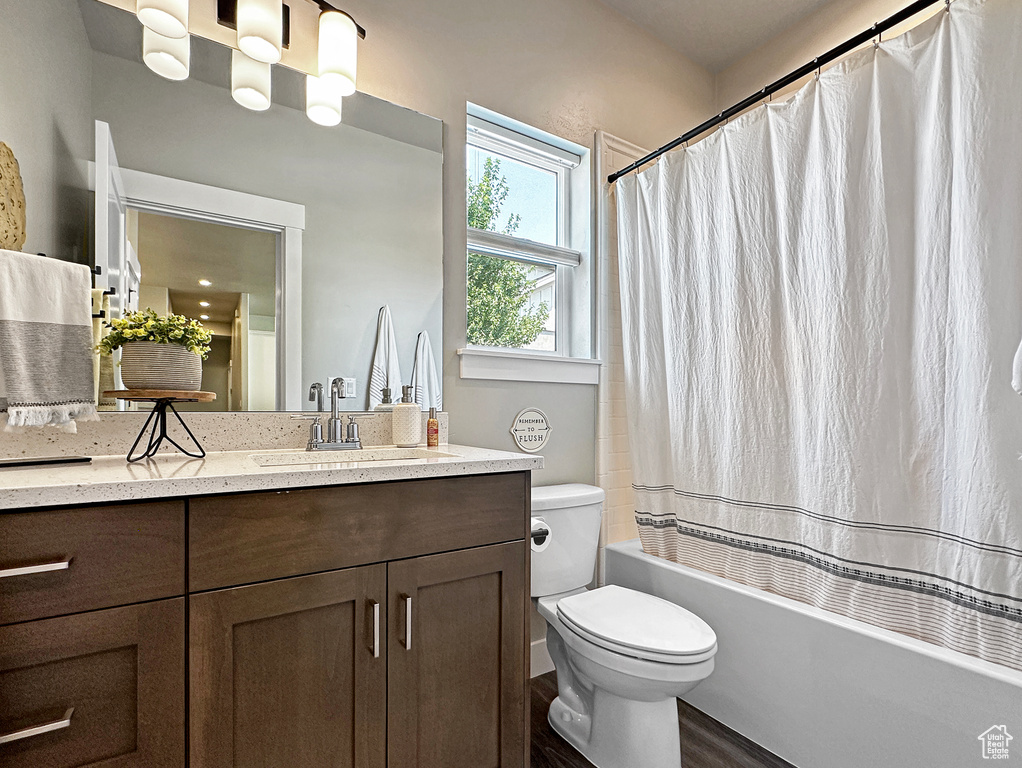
x: 348, y: 390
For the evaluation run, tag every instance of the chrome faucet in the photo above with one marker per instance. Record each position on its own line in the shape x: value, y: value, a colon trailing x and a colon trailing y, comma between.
x: 316, y: 395
x: 337, y: 438
x: 334, y: 432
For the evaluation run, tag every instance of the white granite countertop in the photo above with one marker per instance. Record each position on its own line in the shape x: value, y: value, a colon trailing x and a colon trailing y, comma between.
x: 111, y: 478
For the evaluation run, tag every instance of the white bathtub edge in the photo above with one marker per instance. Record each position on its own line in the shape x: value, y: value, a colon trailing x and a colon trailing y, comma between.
x: 633, y: 548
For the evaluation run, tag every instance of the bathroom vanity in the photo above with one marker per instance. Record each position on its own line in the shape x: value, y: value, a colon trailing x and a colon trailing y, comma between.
x: 220, y: 613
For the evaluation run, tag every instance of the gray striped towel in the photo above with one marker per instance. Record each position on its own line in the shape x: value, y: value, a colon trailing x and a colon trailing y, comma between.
x: 46, y: 374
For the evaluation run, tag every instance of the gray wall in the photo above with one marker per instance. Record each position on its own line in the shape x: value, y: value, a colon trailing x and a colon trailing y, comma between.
x: 46, y: 119
x: 568, y: 67
x: 372, y: 204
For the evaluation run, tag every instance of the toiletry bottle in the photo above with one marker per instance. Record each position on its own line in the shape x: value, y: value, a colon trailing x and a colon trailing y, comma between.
x: 432, y: 430
x: 406, y: 421
x: 385, y: 404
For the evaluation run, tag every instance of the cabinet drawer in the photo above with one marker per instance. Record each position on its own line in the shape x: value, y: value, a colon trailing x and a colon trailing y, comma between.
x: 99, y: 688
x: 261, y: 536
x: 100, y: 556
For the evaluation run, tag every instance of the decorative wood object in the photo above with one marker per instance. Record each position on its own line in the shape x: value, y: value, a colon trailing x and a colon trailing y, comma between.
x: 12, y: 201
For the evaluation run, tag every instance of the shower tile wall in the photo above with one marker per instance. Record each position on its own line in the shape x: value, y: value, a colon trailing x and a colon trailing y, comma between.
x: 613, y: 462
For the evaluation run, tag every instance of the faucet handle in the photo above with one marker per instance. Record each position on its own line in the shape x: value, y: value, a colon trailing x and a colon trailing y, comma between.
x: 315, y: 429
x: 352, y: 432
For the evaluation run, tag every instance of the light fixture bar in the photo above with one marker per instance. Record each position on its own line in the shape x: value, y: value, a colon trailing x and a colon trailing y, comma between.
x: 324, y: 6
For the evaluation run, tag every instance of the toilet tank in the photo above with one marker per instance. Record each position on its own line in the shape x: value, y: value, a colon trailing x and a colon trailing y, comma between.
x: 572, y: 513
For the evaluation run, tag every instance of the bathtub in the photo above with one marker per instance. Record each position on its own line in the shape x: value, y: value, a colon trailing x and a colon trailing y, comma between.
x: 825, y: 691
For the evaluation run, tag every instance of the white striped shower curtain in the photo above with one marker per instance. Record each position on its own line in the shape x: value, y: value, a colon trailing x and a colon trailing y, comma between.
x: 821, y: 305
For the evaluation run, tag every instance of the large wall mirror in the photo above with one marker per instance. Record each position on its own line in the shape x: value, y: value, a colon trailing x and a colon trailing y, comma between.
x: 267, y: 227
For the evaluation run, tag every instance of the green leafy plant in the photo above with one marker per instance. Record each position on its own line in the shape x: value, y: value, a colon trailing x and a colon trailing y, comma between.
x: 499, y: 314
x: 146, y: 325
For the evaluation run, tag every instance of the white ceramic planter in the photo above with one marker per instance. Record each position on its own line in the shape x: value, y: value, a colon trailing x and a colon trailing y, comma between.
x: 147, y: 365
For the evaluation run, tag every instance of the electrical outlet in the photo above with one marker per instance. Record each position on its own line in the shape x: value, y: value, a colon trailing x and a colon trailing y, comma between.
x: 347, y: 390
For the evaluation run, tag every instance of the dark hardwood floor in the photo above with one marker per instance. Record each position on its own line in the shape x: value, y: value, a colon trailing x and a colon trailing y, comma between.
x: 705, y: 743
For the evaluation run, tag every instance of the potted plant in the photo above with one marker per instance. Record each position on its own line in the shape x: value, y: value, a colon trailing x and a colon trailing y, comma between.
x: 164, y: 353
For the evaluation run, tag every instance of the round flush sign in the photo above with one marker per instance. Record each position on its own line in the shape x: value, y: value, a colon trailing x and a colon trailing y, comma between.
x: 531, y: 430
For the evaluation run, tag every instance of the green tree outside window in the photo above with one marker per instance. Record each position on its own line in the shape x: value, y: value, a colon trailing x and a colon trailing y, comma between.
x: 499, y: 314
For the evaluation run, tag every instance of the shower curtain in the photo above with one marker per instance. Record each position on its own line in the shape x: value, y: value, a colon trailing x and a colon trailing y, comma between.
x: 821, y: 306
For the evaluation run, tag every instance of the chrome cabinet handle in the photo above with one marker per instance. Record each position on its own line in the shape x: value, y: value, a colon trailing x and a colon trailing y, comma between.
x: 408, y: 621
x: 376, y: 628
x: 37, y: 730
x: 28, y: 570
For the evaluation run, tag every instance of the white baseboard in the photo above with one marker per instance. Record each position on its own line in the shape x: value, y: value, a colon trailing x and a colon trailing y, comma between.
x: 541, y: 661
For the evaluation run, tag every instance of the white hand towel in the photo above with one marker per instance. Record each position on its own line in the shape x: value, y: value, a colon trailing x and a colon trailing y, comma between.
x: 1016, y: 371
x: 46, y: 359
x: 386, y: 367
x: 425, y: 384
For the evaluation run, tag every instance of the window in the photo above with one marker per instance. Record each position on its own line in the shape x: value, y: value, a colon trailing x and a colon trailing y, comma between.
x: 528, y: 287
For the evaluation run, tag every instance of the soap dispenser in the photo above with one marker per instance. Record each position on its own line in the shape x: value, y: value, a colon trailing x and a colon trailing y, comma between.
x: 385, y: 404
x: 406, y: 423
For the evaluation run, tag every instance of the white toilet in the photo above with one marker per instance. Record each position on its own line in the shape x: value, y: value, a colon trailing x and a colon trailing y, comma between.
x: 622, y: 657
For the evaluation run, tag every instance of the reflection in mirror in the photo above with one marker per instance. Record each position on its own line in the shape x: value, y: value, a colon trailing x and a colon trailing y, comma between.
x: 223, y: 277
x: 367, y: 229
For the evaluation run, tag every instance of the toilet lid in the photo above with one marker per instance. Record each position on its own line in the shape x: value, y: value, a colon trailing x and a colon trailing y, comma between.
x: 629, y: 621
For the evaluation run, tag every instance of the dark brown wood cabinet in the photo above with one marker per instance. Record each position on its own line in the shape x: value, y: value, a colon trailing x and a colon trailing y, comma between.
x: 380, y: 625
x: 455, y: 693
x: 104, y: 688
x: 290, y: 672
x: 101, y: 557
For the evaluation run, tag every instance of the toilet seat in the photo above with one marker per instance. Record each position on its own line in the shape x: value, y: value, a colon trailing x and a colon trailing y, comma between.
x: 639, y: 625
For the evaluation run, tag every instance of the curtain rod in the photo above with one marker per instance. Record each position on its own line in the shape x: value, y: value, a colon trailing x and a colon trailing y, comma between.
x: 820, y: 61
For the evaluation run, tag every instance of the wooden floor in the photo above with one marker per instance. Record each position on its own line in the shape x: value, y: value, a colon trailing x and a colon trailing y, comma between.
x: 705, y: 743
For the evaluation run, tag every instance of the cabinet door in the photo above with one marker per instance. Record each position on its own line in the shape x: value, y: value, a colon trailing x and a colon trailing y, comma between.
x: 102, y: 688
x: 457, y: 674
x: 287, y: 673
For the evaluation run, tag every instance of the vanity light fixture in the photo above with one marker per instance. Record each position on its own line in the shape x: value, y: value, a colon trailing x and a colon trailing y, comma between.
x: 203, y: 303
x: 338, y: 48
x: 261, y: 29
x: 323, y: 99
x: 261, y: 32
x: 166, y: 56
x: 250, y: 82
x: 205, y: 283
x: 164, y: 17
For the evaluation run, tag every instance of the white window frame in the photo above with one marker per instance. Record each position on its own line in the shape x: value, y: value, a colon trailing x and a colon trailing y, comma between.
x: 504, y: 137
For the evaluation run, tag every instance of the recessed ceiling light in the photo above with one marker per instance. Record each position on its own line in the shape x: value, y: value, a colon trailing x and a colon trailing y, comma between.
x: 204, y: 317
x: 205, y: 283
x: 203, y: 303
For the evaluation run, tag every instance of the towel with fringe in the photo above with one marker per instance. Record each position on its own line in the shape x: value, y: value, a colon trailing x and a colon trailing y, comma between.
x: 425, y: 383
x: 46, y: 357
x: 386, y: 367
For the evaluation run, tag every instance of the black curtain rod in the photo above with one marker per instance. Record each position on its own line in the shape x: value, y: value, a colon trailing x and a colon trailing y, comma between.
x: 834, y: 53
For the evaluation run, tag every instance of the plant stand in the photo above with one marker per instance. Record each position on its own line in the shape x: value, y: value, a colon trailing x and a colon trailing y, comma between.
x: 156, y: 422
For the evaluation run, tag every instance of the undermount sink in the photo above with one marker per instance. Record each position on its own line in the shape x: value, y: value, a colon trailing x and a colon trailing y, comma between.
x: 357, y: 455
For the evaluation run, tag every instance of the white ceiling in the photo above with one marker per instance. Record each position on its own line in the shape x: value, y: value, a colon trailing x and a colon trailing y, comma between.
x: 175, y: 253
x: 715, y: 33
